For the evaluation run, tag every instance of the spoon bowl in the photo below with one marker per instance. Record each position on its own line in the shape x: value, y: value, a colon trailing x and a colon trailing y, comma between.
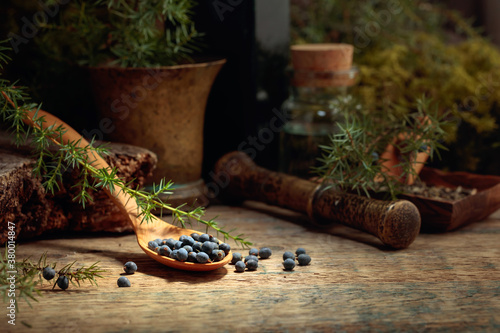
x: 152, y: 230
x: 145, y: 231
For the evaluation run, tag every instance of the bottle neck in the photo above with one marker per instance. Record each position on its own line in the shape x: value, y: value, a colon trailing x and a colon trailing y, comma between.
x: 318, y: 95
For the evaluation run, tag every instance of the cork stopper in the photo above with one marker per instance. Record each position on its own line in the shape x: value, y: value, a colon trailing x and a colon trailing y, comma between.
x: 323, y: 65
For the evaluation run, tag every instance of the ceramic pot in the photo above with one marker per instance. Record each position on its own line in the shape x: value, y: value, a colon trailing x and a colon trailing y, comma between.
x: 161, y: 109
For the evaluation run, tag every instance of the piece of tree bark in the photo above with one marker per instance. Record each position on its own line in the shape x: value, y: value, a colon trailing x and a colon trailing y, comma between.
x: 24, y: 201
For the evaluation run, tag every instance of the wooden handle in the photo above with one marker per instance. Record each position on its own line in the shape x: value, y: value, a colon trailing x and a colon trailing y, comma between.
x: 395, y: 223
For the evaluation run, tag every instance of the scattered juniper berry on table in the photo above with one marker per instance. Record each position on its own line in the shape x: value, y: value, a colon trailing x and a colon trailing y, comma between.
x: 62, y: 282
x: 289, y: 264
x: 251, y: 257
x: 300, y: 251
x: 303, y: 259
x: 130, y: 267
x: 240, y: 266
x: 123, y: 282
x: 253, y: 252
x: 288, y: 255
x: 48, y: 273
x: 236, y: 258
x: 252, y: 265
x: 265, y: 253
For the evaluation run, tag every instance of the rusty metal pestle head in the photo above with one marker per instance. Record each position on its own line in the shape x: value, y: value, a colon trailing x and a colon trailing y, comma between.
x: 400, y: 226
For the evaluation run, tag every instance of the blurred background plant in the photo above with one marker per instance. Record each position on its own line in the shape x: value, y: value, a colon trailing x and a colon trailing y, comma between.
x: 127, y: 33
x: 411, y: 48
x: 356, y: 160
x: 55, y: 40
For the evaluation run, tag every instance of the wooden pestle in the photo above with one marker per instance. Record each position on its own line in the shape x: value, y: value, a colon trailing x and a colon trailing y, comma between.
x: 395, y: 223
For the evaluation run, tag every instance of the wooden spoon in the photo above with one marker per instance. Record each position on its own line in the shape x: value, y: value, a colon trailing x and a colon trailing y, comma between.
x: 145, y: 231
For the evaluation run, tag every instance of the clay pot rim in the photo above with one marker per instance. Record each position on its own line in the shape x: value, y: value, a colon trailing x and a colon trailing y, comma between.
x: 308, y: 47
x: 202, y: 62
x: 354, y: 70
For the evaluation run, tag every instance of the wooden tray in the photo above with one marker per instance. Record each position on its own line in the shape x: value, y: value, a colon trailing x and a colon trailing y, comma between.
x: 440, y: 215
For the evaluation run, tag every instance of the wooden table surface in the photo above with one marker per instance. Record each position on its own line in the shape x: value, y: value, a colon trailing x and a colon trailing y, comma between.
x: 442, y: 283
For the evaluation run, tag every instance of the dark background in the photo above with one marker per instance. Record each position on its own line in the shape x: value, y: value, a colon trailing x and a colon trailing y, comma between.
x: 253, y: 35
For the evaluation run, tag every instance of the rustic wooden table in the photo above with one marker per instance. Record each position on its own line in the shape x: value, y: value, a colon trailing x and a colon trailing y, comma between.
x: 442, y: 283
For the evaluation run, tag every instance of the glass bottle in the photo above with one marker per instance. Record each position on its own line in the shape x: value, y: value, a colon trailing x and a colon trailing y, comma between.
x: 318, y: 100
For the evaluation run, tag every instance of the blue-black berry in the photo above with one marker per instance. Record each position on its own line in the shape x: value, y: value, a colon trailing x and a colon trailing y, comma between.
x: 253, y: 252
x: 165, y: 251
x: 303, y: 259
x: 188, y: 248
x: 152, y: 245
x: 130, y: 267
x: 214, y: 239
x: 178, y: 245
x: 202, y: 257
x: 217, y: 255
x: 171, y: 243
x: 289, y: 264
x: 204, y: 238
x: 251, y: 257
x: 192, y: 257
x: 288, y: 255
x: 208, y: 247
x: 123, y: 282
x: 265, y: 252
x: 225, y: 247
x: 197, y: 246
x: 300, y: 251
x: 182, y: 254
x: 195, y: 236
x: 236, y: 257
x: 48, y: 273
x: 173, y: 254
x: 252, y: 265
x: 240, y: 266
x: 62, y: 282
x: 188, y: 240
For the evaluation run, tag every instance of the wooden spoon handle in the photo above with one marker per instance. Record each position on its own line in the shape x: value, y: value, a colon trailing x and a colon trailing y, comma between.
x: 395, y: 223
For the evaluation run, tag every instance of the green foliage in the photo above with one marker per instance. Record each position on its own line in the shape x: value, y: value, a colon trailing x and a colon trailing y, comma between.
x: 123, y: 32
x: 409, y: 48
x: 28, y: 276
x: 352, y: 159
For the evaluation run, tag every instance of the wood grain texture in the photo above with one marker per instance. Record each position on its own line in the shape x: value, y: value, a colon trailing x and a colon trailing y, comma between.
x: 442, y: 283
